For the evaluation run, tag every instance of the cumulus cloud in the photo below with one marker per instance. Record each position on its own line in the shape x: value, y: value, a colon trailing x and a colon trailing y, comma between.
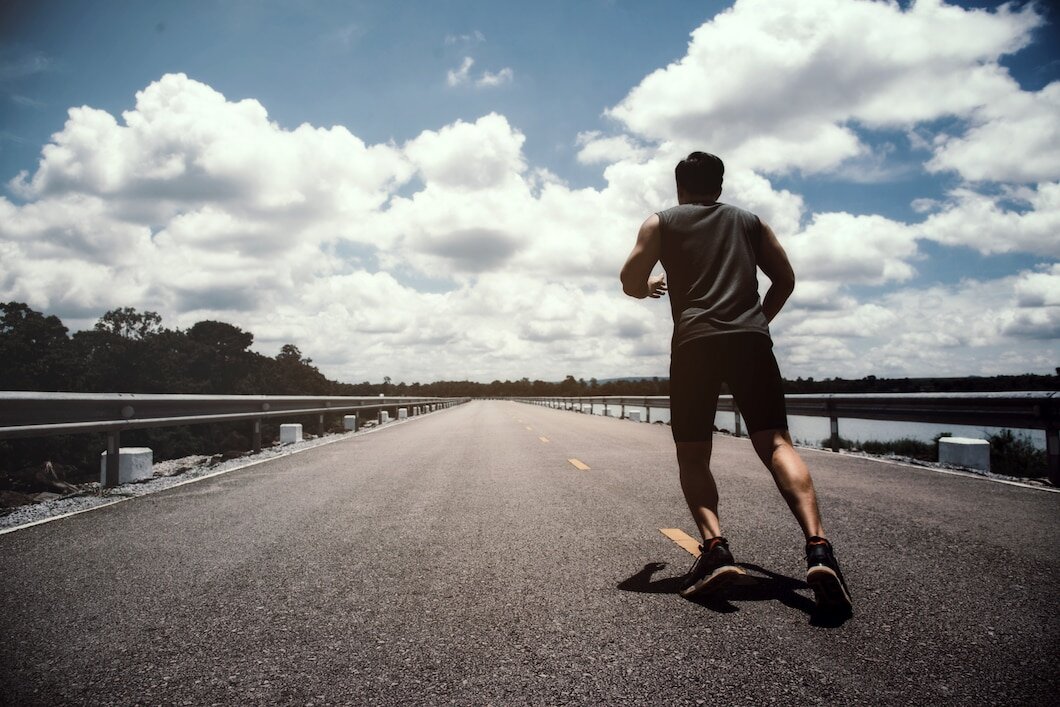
x: 840, y: 247
x: 199, y: 206
x: 597, y: 149
x: 1015, y: 220
x: 1015, y: 139
x: 779, y: 86
x: 984, y: 326
x: 468, y: 155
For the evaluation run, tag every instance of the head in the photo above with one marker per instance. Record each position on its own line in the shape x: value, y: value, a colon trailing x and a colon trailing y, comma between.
x: 699, y: 178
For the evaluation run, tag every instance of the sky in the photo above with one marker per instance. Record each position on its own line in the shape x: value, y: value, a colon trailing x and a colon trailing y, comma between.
x: 447, y: 190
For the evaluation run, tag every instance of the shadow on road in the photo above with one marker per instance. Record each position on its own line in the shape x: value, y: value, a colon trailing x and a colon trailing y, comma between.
x: 759, y: 584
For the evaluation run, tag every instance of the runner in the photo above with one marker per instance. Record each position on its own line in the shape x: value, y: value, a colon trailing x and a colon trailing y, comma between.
x: 710, y: 252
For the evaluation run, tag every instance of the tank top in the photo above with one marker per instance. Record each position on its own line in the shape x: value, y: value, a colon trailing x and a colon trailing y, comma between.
x: 708, y: 252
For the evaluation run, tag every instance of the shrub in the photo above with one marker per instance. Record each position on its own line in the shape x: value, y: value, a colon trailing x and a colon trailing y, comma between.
x: 1015, y: 455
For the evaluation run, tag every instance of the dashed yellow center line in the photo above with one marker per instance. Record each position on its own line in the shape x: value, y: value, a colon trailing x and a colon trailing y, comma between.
x: 579, y: 465
x: 544, y: 439
x: 683, y: 540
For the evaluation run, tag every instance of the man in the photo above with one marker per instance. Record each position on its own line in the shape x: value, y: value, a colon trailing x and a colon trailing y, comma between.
x: 710, y: 252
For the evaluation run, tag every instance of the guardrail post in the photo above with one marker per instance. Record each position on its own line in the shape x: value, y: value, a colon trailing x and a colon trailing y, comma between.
x: 320, y: 425
x: 255, y: 435
x: 1052, y: 446
x: 623, y: 411
x: 647, y: 411
x: 833, y: 422
x: 736, y: 415
x: 110, y: 472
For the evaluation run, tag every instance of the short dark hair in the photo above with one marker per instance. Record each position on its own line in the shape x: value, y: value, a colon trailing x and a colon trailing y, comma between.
x: 700, y: 173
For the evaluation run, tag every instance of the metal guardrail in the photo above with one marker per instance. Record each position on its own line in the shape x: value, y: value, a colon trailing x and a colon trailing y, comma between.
x: 33, y: 414
x: 1038, y: 410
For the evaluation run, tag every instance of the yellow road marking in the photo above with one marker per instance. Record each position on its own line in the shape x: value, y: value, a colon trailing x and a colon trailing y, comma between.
x: 683, y: 539
x: 544, y: 439
x: 581, y: 466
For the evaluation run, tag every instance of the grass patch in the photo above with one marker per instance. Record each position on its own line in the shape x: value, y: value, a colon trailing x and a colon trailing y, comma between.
x: 1011, y: 454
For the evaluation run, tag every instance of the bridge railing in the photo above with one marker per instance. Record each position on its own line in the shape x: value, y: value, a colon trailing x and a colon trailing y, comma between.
x: 36, y: 414
x: 1038, y: 410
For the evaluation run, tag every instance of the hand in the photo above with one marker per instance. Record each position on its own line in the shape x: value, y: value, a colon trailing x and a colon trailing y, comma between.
x: 657, y: 286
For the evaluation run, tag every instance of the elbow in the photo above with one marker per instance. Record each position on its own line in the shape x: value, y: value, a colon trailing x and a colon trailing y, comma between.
x: 627, y: 284
x: 786, y: 284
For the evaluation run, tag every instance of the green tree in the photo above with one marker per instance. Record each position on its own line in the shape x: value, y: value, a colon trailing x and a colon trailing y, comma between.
x: 127, y: 323
x: 218, y: 357
x: 35, y: 350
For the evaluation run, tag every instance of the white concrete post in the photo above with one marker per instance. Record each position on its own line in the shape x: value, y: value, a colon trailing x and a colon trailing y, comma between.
x: 290, y: 434
x: 965, y: 451
x: 134, y: 463
x: 403, y: 413
x: 350, y: 422
x: 634, y: 415
x: 384, y: 417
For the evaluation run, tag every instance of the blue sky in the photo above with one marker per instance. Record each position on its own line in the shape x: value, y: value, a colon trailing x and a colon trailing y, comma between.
x: 590, y: 103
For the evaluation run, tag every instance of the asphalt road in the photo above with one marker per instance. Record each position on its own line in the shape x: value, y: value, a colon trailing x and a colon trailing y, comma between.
x: 459, y: 558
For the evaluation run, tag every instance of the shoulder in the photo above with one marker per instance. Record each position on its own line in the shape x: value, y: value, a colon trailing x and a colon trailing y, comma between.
x: 737, y: 212
x: 747, y: 219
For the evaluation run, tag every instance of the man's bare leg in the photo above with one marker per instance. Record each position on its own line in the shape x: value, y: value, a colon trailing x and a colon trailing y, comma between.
x: 776, y: 451
x: 697, y: 483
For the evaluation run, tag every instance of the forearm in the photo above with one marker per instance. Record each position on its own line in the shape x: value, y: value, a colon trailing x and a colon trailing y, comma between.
x: 776, y: 296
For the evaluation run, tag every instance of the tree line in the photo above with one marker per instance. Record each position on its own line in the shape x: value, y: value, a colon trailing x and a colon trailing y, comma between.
x: 128, y: 351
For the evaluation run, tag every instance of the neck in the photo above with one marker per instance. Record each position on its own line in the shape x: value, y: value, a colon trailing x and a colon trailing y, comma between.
x: 703, y: 199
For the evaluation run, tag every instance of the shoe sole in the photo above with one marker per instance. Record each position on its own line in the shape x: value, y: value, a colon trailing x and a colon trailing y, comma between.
x: 828, y: 589
x: 719, y: 579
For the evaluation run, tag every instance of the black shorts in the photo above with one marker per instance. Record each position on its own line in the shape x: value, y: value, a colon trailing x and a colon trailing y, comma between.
x: 743, y: 360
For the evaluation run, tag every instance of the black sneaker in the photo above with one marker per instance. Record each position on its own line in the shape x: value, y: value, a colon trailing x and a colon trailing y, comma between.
x: 713, y: 570
x: 825, y: 578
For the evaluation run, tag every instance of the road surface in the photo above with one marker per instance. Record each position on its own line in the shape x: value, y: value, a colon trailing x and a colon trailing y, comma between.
x: 463, y: 559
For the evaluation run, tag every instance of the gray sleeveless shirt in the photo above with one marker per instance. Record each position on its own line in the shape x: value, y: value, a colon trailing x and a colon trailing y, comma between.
x: 708, y: 252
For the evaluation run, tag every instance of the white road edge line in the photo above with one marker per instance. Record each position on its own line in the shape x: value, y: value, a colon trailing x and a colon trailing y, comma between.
x: 325, y: 443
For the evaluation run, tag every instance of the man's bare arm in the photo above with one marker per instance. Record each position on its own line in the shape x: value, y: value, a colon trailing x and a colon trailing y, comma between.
x: 775, y: 264
x: 636, y: 273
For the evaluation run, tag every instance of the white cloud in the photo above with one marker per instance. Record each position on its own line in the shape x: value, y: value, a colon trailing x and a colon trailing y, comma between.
x: 977, y: 327
x: 848, y: 249
x: 458, y: 77
x: 1014, y: 139
x: 475, y: 155
x: 596, y: 149
x: 984, y: 222
x: 487, y: 79
x: 777, y: 86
